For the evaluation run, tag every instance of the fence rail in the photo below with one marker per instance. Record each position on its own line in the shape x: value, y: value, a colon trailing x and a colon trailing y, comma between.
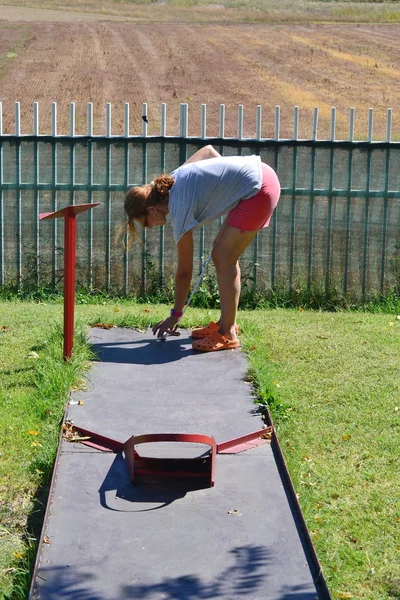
x: 184, y: 122
x: 336, y: 227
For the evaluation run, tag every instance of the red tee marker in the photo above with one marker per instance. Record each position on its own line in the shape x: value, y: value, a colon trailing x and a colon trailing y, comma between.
x: 69, y: 213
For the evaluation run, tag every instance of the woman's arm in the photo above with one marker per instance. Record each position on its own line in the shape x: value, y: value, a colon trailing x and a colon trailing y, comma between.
x: 182, y: 283
x: 184, y: 271
x: 202, y: 154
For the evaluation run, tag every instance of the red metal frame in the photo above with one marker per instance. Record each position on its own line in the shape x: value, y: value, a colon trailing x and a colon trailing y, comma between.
x: 69, y: 213
x: 202, y: 467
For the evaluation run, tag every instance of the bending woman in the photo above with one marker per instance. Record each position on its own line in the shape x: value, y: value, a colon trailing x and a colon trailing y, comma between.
x: 204, y: 188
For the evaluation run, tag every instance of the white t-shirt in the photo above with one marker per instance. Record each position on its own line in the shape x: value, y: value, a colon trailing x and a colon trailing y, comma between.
x: 207, y: 189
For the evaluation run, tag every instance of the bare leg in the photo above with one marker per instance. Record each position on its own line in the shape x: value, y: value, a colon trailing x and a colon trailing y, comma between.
x: 230, y: 244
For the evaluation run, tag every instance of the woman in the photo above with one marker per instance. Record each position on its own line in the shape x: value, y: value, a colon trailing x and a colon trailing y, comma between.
x: 205, y: 187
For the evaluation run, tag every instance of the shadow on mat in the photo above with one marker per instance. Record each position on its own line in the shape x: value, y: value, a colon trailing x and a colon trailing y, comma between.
x: 117, y: 486
x: 247, y: 577
x: 142, y: 352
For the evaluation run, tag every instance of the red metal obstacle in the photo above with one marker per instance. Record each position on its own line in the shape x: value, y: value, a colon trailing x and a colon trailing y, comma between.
x: 69, y: 213
x: 202, y: 467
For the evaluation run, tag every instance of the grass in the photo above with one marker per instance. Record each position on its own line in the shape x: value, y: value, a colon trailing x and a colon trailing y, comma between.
x: 331, y: 380
x: 33, y: 392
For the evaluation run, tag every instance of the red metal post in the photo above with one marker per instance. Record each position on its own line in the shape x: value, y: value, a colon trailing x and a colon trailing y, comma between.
x: 69, y: 213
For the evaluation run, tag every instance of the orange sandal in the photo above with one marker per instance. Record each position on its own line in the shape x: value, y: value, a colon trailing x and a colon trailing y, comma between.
x: 202, y: 332
x: 214, y: 342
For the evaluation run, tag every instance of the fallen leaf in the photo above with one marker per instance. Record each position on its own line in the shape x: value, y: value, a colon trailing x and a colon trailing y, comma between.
x: 104, y: 325
x: 81, y: 403
x: 35, y: 444
x: 267, y: 435
x: 322, y: 337
x: 344, y: 595
x: 116, y: 309
x: 346, y: 437
x: 300, y: 309
x: 46, y: 540
x: 3, y: 328
x: 32, y: 355
x: 234, y: 511
x: 19, y: 554
x: 146, y: 310
x: 33, y: 432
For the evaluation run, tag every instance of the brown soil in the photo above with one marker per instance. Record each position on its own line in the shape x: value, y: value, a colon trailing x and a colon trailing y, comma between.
x: 117, y: 62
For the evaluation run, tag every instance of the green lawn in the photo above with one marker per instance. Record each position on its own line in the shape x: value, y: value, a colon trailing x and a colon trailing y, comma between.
x: 332, y: 381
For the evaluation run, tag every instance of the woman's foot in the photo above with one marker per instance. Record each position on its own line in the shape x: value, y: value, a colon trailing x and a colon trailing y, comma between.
x: 202, y: 332
x: 215, y: 342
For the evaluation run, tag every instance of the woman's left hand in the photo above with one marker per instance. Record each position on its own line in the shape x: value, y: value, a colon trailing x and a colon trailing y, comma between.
x: 165, y: 326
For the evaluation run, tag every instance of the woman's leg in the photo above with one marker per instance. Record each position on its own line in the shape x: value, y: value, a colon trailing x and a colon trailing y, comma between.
x: 230, y: 244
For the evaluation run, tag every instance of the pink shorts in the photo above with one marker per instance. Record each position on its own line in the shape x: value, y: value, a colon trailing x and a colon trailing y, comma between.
x: 255, y: 213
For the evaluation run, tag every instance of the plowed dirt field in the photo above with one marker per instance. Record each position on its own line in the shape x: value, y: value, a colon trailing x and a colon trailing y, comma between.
x: 287, y: 65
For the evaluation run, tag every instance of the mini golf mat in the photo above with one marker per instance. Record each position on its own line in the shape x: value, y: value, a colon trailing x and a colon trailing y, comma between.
x: 104, y: 539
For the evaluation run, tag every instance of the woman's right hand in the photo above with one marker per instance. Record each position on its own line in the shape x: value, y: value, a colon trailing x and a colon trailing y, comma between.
x: 165, y: 326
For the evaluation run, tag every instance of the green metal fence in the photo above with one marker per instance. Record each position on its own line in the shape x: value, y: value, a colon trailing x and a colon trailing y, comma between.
x: 336, y: 226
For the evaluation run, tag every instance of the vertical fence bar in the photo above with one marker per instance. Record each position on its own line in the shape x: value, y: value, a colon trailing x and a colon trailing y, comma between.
x: 329, y: 224
x: 145, y: 120
x: 370, y: 124
x: 366, y: 228
x: 203, y: 123
x: 2, y: 275
x: 293, y: 218
x: 18, y: 192
x: 348, y: 223
x: 36, y: 119
x: 36, y: 188
x: 126, y: 186
x: 72, y: 153
x: 144, y: 180
x: 385, y: 199
x: 90, y: 119
x: 333, y: 124
x: 163, y: 131
x: 17, y: 119
x: 162, y: 228
x: 315, y: 125
x: 311, y: 224
x: 108, y: 196
x: 183, y: 132
x: 126, y: 120
x: 389, y: 125
x: 54, y: 190
x: 277, y: 122
x: 240, y: 122
x: 384, y: 221
x: 222, y: 121
x: 296, y: 123
x: 90, y: 191
x: 108, y: 119
x: 258, y: 122
x: 274, y: 216
x: 351, y: 125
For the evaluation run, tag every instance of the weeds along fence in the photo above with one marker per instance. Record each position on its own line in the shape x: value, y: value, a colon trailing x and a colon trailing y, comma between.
x: 336, y: 228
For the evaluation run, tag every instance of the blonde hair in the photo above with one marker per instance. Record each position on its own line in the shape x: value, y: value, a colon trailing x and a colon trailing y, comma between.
x: 139, y: 198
